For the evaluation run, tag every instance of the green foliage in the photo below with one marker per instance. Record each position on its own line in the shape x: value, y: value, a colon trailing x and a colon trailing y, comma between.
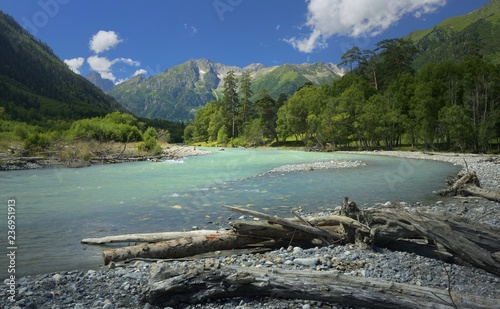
x: 150, y: 143
x: 444, y: 105
x: 113, y: 127
x: 223, y: 136
x: 37, y: 142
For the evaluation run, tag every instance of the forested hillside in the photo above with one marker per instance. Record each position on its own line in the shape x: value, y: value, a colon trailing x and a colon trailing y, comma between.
x: 36, y: 86
x: 383, y: 103
x: 44, y: 105
x: 472, y: 34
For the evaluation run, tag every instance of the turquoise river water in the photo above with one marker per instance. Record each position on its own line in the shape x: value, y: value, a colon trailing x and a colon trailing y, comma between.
x: 56, y: 207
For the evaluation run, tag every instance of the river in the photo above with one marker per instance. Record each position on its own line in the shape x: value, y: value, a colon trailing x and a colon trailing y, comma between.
x: 57, y: 207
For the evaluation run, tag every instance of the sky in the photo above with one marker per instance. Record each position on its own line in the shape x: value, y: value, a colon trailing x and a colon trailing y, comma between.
x: 122, y: 38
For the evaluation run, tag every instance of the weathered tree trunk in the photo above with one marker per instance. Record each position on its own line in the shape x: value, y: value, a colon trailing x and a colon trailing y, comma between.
x: 289, y: 223
x: 480, y: 192
x: 147, y: 237
x: 468, y: 185
x: 182, y: 247
x: 282, y: 235
x: 170, y: 286
x: 474, y: 244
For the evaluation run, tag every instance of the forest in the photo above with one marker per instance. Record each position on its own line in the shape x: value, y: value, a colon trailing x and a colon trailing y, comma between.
x: 383, y: 102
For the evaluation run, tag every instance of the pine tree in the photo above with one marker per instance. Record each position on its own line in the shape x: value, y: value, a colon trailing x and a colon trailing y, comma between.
x: 231, y: 98
x: 246, y: 93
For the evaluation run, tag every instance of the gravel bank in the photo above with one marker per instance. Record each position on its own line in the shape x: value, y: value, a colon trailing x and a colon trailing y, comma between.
x: 121, y: 285
x: 320, y: 165
x: 487, y: 167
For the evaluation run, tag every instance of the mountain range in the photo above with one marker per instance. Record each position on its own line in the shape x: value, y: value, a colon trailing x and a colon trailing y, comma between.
x: 178, y: 92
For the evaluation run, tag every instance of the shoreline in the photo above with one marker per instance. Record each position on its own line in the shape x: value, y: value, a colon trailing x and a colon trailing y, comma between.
x: 120, y: 286
x: 487, y: 167
x: 169, y: 152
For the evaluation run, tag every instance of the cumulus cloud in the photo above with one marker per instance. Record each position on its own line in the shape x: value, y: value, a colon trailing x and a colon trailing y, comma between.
x: 140, y: 71
x: 75, y: 64
x: 103, y: 65
x: 356, y: 18
x: 104, y: 40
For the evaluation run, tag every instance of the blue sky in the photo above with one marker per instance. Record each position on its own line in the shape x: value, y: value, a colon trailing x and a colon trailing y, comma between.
x: 120, y: 38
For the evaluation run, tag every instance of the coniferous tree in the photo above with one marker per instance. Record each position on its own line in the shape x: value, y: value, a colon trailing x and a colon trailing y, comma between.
x: 246, y: 94
x: 231, y: 99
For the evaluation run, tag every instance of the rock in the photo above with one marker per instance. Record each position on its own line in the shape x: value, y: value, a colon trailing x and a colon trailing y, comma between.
x: 306, y: 261
x: 297, y: 250
x: 57, y: 278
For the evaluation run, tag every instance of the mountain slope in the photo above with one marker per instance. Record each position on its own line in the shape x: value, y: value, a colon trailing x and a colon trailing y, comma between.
x: 96, y: 79
x: 461, y: 36
x: 35, y: 84
x: 179, y: 91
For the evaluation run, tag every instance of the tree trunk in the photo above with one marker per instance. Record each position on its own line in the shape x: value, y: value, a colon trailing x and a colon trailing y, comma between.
x: 169, y: 286
x: 147, y: 237
x: 468, y: 185
x: 289, y: 223
x: 476, y: 244
x: 180, y: 248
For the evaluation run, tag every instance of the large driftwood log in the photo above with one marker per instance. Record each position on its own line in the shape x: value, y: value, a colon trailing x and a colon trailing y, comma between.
x: 180, y: 248
x: 146, y: 237
x: 333, y: 237
x: 476, y: 244
x: 282, y: 235
x: 169, y: 286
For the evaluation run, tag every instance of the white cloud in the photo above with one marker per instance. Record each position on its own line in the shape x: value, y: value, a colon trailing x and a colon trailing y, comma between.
x: 128, y: 61
x: 140, y: 71
x: 278, y: 27
x: 75, y: 64
x: 104, y: 40
x: 356, y: 18
x: 103, y: 65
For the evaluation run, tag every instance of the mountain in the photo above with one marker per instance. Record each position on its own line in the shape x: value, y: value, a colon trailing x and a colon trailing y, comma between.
x: 179, y: 91
x: 461, y: 36
x: 103, y: 84
x: 35, y: 85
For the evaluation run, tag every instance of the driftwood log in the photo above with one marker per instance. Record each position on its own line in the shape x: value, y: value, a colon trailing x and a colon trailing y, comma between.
x: 169, y: 286
x: 469, y: 185
x: 146, y: 237
x: 179, y: 248
x: 428, y: 234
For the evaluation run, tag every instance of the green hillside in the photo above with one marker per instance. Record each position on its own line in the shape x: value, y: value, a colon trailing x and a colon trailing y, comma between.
x: 461, y: 36
x: 35, y: 85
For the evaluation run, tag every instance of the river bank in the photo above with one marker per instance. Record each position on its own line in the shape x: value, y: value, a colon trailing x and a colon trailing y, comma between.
x: 121, y: 286
x: 110, y: 153
x: 487, y: 167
